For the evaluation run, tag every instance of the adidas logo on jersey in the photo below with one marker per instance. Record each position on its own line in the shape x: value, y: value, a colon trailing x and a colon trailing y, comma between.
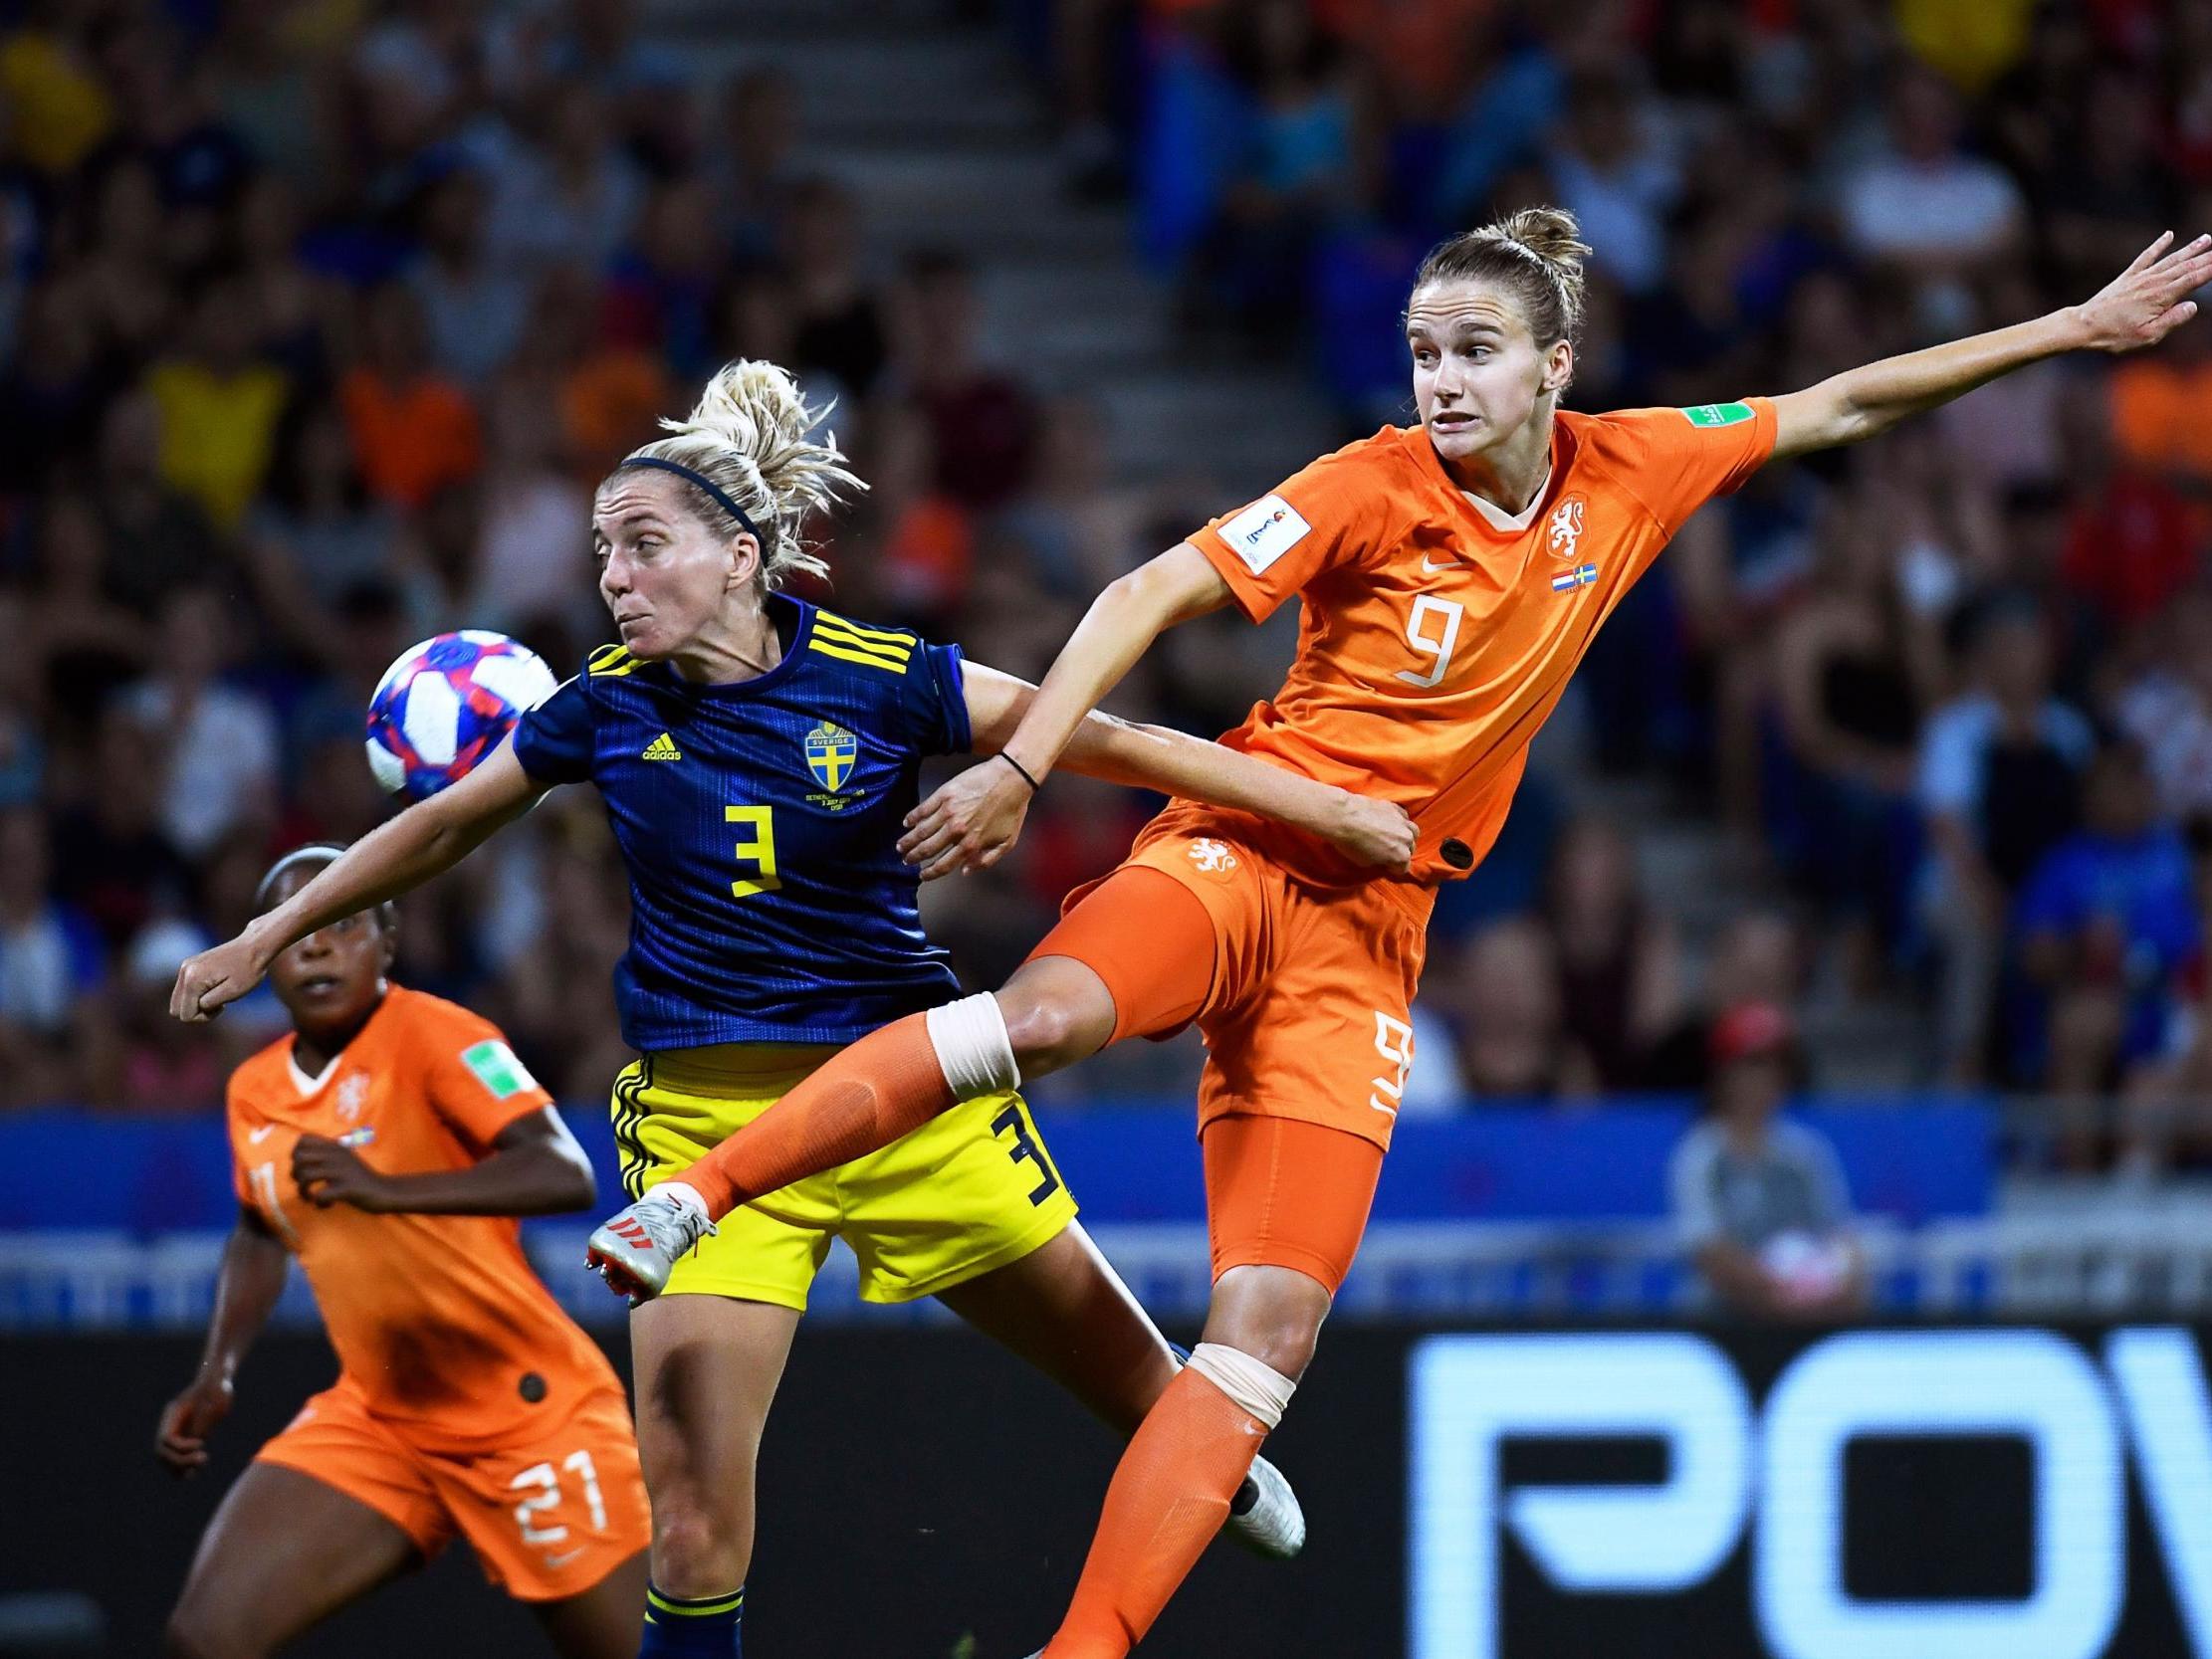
x: 662, y: 747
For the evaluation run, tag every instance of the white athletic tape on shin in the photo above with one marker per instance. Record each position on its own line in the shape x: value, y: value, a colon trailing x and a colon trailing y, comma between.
x: 1260, y: 1388
x: 973, y: 1048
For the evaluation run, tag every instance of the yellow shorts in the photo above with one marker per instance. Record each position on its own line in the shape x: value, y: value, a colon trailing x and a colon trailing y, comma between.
x: 966, y: 1193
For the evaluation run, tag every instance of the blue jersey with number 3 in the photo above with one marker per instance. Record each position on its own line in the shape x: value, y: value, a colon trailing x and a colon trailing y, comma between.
x: 759, y: 820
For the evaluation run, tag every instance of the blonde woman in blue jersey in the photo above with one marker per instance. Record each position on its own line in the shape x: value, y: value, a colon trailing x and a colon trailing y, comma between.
x: 758, y: 758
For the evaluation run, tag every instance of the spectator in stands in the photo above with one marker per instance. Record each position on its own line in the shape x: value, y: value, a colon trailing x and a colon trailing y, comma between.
x: 219, y: 408
x: 113, y: 860
x: 2107, y: 926
x: 1613, y: 172
x: 662, y: 282
x: 50, y: 959
x: 1502, y: 1000
x: 316, y: 535
x: 157, y: 538
x: 1855, y: 667
x: 414, y: 431
x: 88, y: 642
x: 534, y: 563
x: 983, y: 420
x: 2168, y: 712
x: 843, y: 333
x: 2109, y: 192
x: 1925, y: 207
x: 54, y: 389
x: 23, y: 761
x: 217, y: 742
x: 2131, y: 540
x: 608, y: 393
x: 2000, y: 773
x: 922, y: 541
x: 115, y: 261
x: 749, y: 171
x: 1616, y: 956
x: 473, y: 303
x: 1760, y: 1203
x: 290, y: 305
x: 1760, y: 956
x: 2163, y: 412
x: 1290, y: 169
x: 151, y: 1063
x: 572, y: 199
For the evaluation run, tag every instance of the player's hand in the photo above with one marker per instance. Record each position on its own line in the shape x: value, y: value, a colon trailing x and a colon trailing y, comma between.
x: 2148, y: 300
x: 186, y: 1422
x: 1372, y: 832
x: 327, y: 1174
x: 224, y: 974
x: 968, y: 823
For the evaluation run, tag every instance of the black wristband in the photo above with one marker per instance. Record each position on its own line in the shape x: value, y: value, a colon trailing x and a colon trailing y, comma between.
x: 1020, y: 769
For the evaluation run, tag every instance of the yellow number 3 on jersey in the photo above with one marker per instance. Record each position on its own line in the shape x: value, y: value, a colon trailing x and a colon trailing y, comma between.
x: 759, y: 849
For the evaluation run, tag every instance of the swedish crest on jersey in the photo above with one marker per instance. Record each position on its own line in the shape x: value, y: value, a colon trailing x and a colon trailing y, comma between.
x: 832, y: 754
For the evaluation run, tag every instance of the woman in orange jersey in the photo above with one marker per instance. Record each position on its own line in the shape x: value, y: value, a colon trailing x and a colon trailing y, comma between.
x: 467, y: 1402
x: 1452, y: 574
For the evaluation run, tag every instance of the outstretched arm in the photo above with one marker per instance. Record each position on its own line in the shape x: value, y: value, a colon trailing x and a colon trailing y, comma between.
x: 426, y: 840
x: 2139, y: 308
x: 940, y: 837
x: 1123, y: 621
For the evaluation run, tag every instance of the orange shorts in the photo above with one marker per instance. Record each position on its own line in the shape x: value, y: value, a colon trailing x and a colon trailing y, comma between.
x: 1302, y: 993
x: 547, y: 1518
x: 1285, y: 1193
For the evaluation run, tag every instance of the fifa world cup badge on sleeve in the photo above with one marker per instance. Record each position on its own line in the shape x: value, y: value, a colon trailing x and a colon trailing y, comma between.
x: 1264, y: 532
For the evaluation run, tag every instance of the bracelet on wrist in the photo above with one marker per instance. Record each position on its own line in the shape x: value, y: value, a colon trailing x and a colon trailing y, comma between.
x: 1020, y: 770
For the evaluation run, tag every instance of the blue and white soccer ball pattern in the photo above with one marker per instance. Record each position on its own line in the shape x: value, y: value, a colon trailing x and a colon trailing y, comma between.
x: 446, y: 704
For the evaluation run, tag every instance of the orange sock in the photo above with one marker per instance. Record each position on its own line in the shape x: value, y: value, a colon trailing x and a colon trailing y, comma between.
x: 1167, y: 1499
x: 864, y: 1099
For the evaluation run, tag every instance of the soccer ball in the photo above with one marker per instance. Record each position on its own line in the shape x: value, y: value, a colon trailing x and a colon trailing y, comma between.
x: 446, y: 704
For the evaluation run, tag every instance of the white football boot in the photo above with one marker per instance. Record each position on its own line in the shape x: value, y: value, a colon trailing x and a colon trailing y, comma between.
x: 1274, y: 1527
x: 636, y: 1251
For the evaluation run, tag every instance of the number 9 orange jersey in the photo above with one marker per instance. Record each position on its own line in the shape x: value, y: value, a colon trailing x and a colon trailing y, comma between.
x: 1439, y: 632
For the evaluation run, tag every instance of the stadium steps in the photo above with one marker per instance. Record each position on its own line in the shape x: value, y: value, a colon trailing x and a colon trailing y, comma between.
x: 1869, y: 1046
x: 944, y: 137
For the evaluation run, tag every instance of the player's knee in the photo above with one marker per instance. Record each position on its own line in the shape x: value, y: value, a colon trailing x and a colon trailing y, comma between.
x: 699, y: 1549
x: 1278, y: 1322
x: 1048, y: 1029
x: 1284, y: 1346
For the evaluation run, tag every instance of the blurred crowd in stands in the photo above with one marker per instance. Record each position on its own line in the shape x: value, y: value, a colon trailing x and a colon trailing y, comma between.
x: 320, y: 318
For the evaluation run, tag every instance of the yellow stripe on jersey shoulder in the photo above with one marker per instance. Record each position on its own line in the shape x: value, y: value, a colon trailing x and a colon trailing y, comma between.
x: 612, y: 660
x: 850, y: 653
x: 900, y: 637
x: 895, y: 656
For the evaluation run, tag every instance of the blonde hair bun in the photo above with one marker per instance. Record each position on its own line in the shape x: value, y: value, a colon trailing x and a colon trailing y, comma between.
x: 752, y: 433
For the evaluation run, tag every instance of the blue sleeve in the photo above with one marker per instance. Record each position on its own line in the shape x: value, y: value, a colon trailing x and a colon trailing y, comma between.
x: 932, y: 703
x: 2052, y: 900
x: 553, y: 741
x: 2172, y: 924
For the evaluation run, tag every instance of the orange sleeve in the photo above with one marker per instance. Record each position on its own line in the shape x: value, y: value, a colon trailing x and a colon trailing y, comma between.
x: 1675, y: 461
x: 231, y: 1099
x: 473, y: 1079
x: 1328, y: 515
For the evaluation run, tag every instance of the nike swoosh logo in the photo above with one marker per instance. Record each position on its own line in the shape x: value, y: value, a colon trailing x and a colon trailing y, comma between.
x: 1428, y: 569
x: 258, y: 1135
x: 554, y: 1563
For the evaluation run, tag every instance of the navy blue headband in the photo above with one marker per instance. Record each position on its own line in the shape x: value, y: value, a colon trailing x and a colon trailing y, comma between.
x: 721, y: 495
